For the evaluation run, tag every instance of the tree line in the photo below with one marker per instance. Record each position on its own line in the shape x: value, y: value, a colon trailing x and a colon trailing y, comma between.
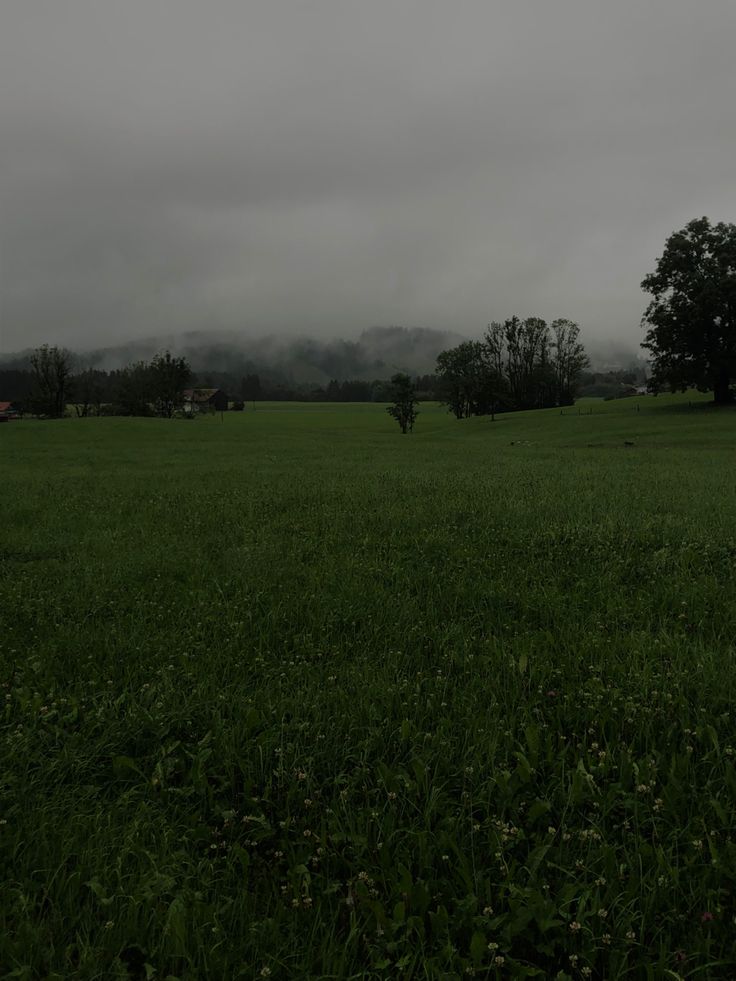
x: 55, y: 380
x: 519, y: 364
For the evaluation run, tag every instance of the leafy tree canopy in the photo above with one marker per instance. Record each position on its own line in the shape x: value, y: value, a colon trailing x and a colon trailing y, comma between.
x: 404, y: 410
x: 691, y: 319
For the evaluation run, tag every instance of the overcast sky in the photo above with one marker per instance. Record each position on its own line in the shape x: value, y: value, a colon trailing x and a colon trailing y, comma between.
x: 320, y: 166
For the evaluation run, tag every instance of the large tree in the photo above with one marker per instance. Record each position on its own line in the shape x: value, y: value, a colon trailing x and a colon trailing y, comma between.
x: 133, y: 389
x: 169, y: 376
x: 691, y: 319
x: 52, y: 369
x: 519, y: 364
x: 460, y: 372
x: 567, y: 361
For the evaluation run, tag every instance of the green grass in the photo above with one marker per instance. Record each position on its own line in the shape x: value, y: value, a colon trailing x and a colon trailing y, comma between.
x: 292, y: 693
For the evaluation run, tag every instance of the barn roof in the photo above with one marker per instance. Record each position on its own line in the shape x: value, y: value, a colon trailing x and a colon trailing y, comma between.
x: 4, y: 406
x: 200, y: 394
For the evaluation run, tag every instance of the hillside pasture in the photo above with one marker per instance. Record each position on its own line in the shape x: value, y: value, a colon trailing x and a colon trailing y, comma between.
x: 288, y: 694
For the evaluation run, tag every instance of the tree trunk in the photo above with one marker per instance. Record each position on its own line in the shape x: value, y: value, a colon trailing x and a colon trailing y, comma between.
x: 722, y: 394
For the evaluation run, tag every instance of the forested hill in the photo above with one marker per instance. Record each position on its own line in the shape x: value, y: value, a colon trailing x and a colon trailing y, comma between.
x: 377, y: 352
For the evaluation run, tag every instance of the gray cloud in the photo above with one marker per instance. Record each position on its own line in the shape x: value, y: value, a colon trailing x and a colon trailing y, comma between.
x: 170, y: 165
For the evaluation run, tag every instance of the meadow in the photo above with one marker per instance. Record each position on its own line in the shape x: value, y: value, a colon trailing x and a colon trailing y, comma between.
x: 287, y: 694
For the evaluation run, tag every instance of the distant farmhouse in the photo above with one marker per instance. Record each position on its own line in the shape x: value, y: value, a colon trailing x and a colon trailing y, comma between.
x: 205, y: 400
x: 9, y: 410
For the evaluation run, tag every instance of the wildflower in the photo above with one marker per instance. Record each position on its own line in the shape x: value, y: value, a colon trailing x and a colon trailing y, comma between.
x: 492, y: 946
x: 603, y: 913
x: 392, y: 795
x: 445, y: 858
x: 551, y: 830
x: 707, y: 917
x: 307, y: 802
x: 630, y: 935
x: 574, y: 926
x: 265, y: 972
x: 606, y: 938
x: 499, y: 961
x: 586, y: 972
x: 487, y: 911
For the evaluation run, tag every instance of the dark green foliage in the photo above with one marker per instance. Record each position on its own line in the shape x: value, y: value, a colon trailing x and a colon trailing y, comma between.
x: 691, y: 319
x: 250, y: 388
x: 88, y: 392
x: 349, y: 391
x: 153, y: 388
x: 468, y: 383
x: 520, y: 364
x: 567, y: 359
x: 403, y: 396
x: 169, y: 376
x: 52, y: 370
x: 134, y: 390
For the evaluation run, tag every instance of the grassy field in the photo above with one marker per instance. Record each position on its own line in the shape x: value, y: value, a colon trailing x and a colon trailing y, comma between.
x: 291, y: 695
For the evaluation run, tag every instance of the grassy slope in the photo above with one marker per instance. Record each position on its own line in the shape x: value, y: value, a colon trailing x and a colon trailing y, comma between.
x: 291, y: 691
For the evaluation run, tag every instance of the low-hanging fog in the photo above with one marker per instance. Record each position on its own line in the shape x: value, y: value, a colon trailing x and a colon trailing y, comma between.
x: 285, y: 169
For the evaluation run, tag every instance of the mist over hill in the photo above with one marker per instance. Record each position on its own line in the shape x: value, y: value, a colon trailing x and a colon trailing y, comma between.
x: 378, y: 352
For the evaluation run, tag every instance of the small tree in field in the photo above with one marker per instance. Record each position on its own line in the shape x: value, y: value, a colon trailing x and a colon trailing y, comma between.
x: 405, y: 401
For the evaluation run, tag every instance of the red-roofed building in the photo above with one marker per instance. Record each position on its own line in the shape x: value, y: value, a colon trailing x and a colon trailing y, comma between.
x: 8, y: 410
